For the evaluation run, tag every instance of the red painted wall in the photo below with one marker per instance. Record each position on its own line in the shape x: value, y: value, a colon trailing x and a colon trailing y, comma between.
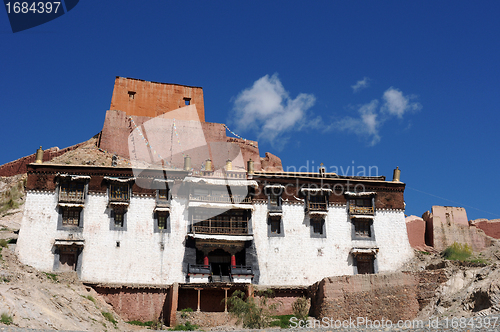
x: 144, y: 98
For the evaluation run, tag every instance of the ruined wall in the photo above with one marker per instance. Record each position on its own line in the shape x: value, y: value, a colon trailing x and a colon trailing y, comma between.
x: 375, y: 296
x: 140, y: 303
x: 19, y: 166
x: 490, y: 227
x: 447, y: 224
x: 271, y: 163
x: 151, y: 99
x: 415, y: 226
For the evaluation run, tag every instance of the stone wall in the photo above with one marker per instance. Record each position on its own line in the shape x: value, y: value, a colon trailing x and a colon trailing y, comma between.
x: 490, y: 227
x: 19, y: 166
x: 151, y: 99
x: 136, y: 303
x: 390, y: 296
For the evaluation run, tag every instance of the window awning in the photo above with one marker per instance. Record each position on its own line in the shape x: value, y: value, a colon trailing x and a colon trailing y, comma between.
x: 361, y: 216
x: 73, y: 177
x: 63, y: 242
x: 221, y: 237
x: 119, y: 203
x: 71, y: 205
x: 164, y: 181
x: 315, y: 190
x: 361, y: 194
x: 364, y: 251
x: 275, y: 214
x: 162, y: 209
x: 115, y: 179
x: 318, y: 213
x: 274, y: 186
x: 222, y: 182
x: 224, y: 206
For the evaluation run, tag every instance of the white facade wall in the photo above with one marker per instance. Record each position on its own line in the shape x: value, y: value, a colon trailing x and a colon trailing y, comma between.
x: 35, y: 243
x: 392, y: 240
x: 139, y: 259
x: 299, y: 259
x: 293, y: 259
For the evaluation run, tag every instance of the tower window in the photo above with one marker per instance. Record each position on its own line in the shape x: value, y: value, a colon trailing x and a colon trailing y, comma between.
x: 187, y: 101
x: 131, y: 95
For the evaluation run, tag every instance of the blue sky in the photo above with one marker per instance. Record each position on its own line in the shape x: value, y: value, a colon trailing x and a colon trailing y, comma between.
x: 379, y: 83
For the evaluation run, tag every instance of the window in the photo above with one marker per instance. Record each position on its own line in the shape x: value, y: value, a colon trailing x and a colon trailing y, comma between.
x: 317, y: 202
x: 68, y: 257
x: 119, y: 192
x: 119, y: 218
x: 187, y: 101
x: 131, y: 95
x: 361, y: 206
x: 71, y: 192
x: 362, y: 228
x: 163, y: 194
x: 162, y: 218
x: 317, y: 227
x: 365, y: 264
x: 71, y: 216
x: 275, y: 226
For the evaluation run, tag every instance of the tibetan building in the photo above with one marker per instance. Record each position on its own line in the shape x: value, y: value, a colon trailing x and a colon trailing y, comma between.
x: 211, y: 217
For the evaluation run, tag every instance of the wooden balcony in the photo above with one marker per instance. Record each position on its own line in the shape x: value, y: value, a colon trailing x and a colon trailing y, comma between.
x: 220, y: 230
x: 363, y: 210
x: 221, y: 198
x: 315, y: 206
x: 71, y: 197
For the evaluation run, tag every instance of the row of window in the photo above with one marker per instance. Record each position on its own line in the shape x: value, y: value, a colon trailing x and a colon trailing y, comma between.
x: 72, y: 217
x: 120, y: 192
x: 361, y: 228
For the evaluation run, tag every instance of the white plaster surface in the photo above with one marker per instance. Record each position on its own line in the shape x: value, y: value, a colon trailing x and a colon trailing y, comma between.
x: 294, y: 259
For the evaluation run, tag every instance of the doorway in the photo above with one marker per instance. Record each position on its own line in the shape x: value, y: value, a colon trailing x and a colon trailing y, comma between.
x: 220, y: 262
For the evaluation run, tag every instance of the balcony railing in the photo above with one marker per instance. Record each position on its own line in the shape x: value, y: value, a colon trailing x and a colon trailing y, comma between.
x: 241, y: 270
x: 315, y: 206
x: 71, y: 197
x: 220, y: 230
x: 199, y: 269
x: 221, y: 198
x: 361, y: 210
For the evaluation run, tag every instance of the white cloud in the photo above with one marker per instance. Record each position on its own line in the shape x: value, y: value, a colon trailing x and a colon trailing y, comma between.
x: 395, y: 103
x: 366, y: 125
x: 360, y: 85
x: 267, y: 108
x: 371, y: 117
